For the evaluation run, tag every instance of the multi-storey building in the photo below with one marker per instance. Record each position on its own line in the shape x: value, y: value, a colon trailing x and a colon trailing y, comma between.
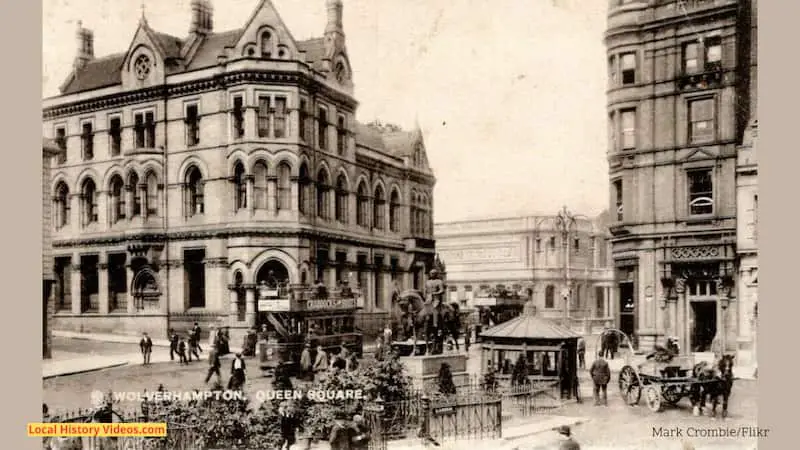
x: 49, y: 151
x: 678, y: 105
x: 561, y: 262
x: 197, y: 167
x: 747, y: 220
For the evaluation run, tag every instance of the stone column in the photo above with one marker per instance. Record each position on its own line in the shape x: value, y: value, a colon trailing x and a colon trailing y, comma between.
x: 295, y: 185
x: 250, y: 180
x: 250, y: 304
x: 75, y: 218
x: 675, y: 313
x: 75, y: 285
x: 131, y: 299
x: 233, y: 311
x: 102, y: 277
x: 272, y: 194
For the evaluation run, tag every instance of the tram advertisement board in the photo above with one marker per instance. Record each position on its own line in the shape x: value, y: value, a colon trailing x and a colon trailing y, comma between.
x: 274, y: 304
x: 330, y: 303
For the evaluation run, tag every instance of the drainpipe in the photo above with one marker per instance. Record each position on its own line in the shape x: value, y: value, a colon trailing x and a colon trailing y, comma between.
x: 165, y: 214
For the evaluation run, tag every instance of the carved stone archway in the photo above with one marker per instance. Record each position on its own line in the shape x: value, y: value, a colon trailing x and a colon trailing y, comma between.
x: 145, y: 288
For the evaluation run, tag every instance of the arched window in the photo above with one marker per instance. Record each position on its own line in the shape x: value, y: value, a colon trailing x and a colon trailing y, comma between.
x: 241, y: 304
x: 304, y: 196
x: 117, y: 199
x: 394, y: 212
x: 342, y: 197
x: 151, y: 183
x: 362, y: 205
x: 260, y: 185
x: 323, y: 191
x: 379, y: 212
x: 424, y: 216
x: 412, y: 216
x: 267, y: 45
x: 284, y: 187
x: 62, y: 207
x: 550, y: 297
x: 136, y: 195
x: 194, y: 192
x: 89, y: 199
x: 239, y: 186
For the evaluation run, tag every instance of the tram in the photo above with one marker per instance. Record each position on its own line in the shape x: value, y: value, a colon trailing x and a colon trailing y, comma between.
x: 293, y: 316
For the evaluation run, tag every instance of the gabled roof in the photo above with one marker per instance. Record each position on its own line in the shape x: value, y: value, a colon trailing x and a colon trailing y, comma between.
x: 212, y: 46
x: 98, y: 73
x: 105, y: 71
x: 315, y: 51
x: 529, y: 326
x: 394, y: 143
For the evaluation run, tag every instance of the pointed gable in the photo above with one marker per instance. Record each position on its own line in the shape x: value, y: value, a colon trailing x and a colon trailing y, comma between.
x: 265, y: 35
x: 699, y: 154
x: 146, y: 60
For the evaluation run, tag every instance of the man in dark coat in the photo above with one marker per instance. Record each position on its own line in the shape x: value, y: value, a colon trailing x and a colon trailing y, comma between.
x: 196, y: 336
x: 237, y: 373
x: 213, y: 365
x: 182, y: 351
x: 601, y: 374
x: 173, y: 344
x: 146, y: 346
x: 288, y: 424
x: 581, y: 353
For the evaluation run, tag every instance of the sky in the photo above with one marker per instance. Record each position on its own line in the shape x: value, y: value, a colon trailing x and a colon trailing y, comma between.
x: 510, y: 94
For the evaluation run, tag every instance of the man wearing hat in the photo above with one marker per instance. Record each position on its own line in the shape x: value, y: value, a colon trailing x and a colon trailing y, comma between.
x: 601, y: 375
x: 305, y: 361
x: 237, y: 373
x: 567, y: 442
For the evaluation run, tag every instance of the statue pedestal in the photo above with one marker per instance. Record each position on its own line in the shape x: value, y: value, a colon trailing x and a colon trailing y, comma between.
x: 424, y: 370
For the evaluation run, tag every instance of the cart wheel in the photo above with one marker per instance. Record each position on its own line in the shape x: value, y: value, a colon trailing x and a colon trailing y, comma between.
x: 671, y: 394
x: 652, y: 395
x: 630, y: 386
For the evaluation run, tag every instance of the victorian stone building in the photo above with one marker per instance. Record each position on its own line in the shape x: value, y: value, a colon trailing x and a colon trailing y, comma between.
x: 679, y: 101
x: 196, y: 167
x: 49, y: 151
x: 561, y: 261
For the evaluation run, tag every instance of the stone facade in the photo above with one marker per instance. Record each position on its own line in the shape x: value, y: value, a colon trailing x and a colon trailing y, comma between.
x: 196, y: 166
x: 49, y: 151
x: 532, y: 257
x: 679, y: 101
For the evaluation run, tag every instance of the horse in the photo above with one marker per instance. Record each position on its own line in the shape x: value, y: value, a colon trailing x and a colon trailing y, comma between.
x: 715, y: 382
x: 449, y: 325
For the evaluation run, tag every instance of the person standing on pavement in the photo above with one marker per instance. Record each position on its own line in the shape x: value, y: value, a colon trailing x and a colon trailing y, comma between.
x: 321, y: 361
x: 196, y: 336
x: 306, y: 366
x: 194, y: 345
x: 214, y: 365
x: 567, y: 442
x: 237, y: 373
x: 581, y: 353
x: 182, y: 351
x: 601, y: 375
x: 173, y: 344
x: 146, y: 346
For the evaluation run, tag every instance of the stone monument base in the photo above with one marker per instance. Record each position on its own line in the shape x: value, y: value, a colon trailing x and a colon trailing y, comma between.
x: 424, y: 370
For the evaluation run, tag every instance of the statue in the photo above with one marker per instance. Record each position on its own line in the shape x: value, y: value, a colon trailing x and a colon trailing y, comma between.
x: 434, y: 295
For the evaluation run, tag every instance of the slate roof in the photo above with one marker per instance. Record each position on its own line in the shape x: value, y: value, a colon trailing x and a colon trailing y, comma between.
x: 400, y: 143
x: 105, y: 71
x: 394, y: 143
x: 98, y: 73
x: 529, y: 326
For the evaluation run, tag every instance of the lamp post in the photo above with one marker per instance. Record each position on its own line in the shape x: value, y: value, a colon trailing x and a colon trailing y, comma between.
x: 565, y: 223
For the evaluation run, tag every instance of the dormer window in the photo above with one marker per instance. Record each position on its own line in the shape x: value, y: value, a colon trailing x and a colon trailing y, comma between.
x: 266, y: 45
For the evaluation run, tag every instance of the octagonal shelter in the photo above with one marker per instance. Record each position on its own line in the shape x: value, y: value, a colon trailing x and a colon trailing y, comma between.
x: 550, y: 349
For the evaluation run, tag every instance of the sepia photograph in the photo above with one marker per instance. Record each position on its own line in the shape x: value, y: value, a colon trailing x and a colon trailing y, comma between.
x: 399, y: 224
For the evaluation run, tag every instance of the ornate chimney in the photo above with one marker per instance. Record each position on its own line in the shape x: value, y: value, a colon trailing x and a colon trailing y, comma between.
x: 85, y: 47
x: 335, y: 8
x: 202, y: 17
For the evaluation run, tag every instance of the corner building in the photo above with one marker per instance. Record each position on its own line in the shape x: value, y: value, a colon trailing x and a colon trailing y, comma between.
x: 195, y: 168
x: 679, y: 101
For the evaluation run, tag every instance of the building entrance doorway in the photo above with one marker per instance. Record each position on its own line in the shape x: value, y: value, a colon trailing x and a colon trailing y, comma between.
x: 627, y: 309
x: 703, y: 325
